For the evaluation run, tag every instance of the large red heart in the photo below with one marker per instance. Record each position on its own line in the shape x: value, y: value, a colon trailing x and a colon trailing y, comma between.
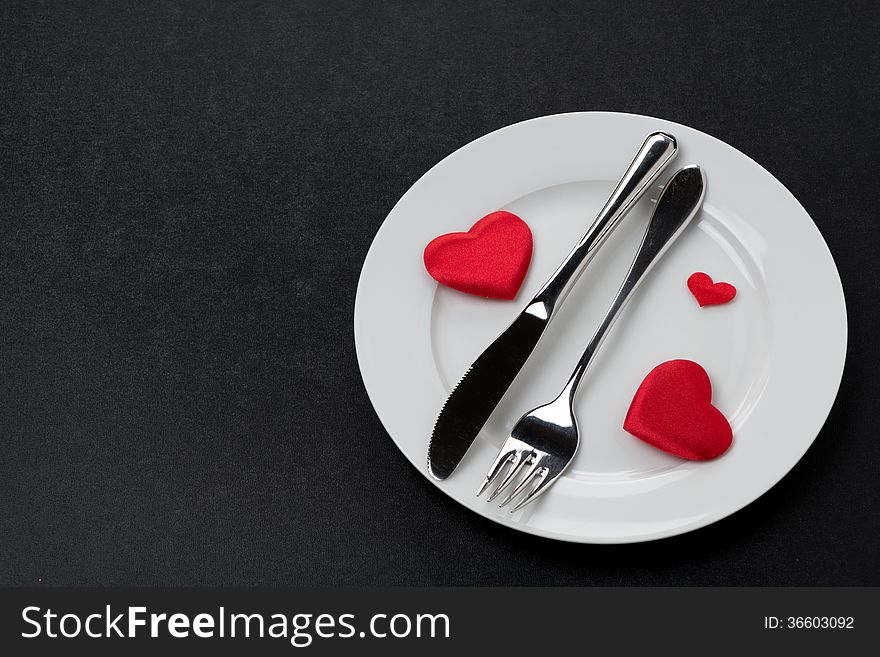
x: 490, y: 260
x: 672, y: 410
x: 708, y: 293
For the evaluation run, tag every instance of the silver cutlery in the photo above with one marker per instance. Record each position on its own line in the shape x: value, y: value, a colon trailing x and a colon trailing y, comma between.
x: 544, y: 441
x: 480, y: 390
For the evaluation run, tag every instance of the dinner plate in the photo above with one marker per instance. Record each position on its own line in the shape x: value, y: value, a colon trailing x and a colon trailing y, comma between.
x: 775, y: 354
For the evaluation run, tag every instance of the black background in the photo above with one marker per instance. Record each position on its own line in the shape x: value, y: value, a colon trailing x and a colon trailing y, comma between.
x: 187, y: 193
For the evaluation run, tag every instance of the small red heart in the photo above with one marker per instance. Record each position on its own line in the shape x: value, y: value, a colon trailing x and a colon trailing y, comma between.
x: 490, y: 260
x: 708, y: 293
x: 672, y: 410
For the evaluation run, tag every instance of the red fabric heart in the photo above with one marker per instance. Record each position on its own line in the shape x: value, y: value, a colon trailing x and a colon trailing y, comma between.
x: 708, y: 293
x: 490, y: 260
x: 672, y: 410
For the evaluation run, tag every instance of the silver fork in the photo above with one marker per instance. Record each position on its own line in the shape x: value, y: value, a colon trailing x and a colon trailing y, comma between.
x: 545, y: 440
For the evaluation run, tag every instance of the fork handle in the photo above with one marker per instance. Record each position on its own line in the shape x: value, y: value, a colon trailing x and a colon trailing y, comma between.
x: 677, y: 205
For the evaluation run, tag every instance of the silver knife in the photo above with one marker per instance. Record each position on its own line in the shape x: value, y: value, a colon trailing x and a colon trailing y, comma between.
x: 480, y: 390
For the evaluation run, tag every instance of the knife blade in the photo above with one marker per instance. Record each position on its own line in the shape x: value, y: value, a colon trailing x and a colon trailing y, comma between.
x: 479, y: 391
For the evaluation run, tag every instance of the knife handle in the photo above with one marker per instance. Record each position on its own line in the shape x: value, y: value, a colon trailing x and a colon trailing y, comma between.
x: 657, y: 151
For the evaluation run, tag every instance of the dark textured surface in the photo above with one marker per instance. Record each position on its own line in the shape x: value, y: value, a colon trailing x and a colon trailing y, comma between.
x: 187, y: 192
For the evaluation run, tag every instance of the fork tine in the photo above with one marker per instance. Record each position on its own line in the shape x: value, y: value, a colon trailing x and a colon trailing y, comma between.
x: 516, y: 467
x: 524, y: 482
x: 504, y: 457
x: 543, y: 483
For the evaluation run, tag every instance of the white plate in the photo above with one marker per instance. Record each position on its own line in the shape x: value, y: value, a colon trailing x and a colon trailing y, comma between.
x: 775, y: 354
